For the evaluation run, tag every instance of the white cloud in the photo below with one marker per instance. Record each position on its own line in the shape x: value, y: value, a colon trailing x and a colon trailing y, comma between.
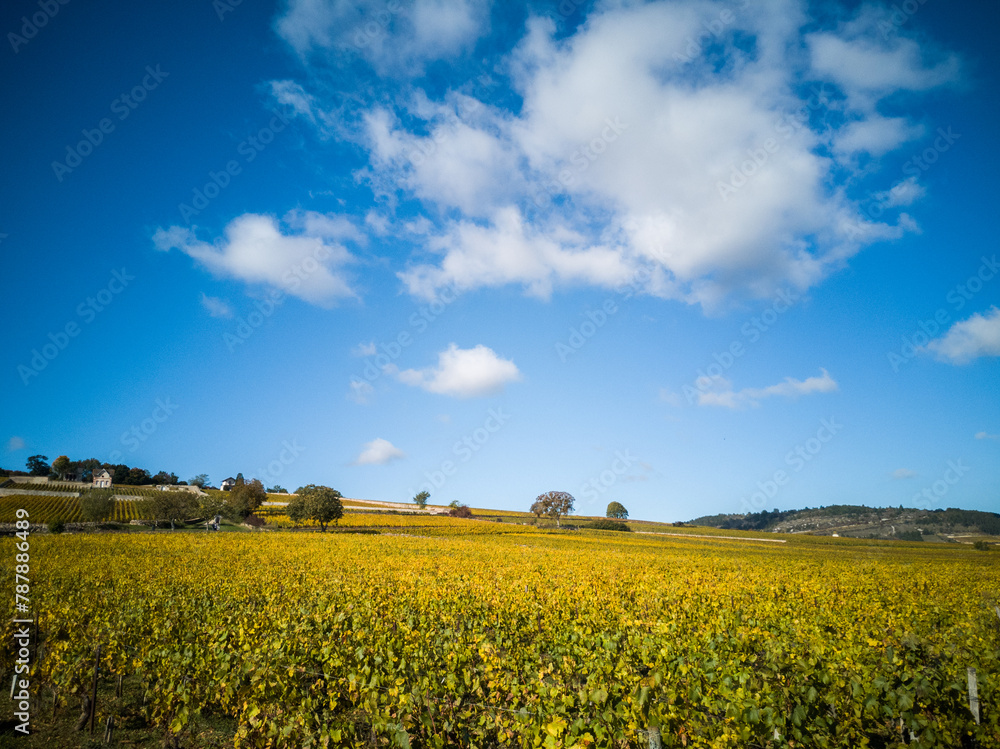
x: 634, y: 149
x: 719, y: 392
x: 906, y: 192
x: 903, y: 473
x: 215, y: 307
x: 987, y: 436
x: 969, y: 339
x: 869, y: 65
x: 364, y: 349
x: 619, y: 158
x: 395, y: 37
x: 464, y: 373
x: 378, y: 452
x: 15, y: 443
x: 876, y: 135
x: 305, y: 260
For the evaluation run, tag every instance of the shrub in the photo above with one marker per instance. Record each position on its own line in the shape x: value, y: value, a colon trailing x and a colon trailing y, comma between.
x: 981, y: 545
x: 461, y: 511
x: 608, y: 525
x: 57, y: 525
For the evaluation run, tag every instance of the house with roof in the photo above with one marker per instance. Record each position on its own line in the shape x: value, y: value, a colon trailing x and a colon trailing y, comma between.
x: 102, y: 479
x: 227, y: 484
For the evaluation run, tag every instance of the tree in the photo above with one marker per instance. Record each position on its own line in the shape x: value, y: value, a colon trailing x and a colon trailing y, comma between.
x: 323, y: 504
x: 297, y: 510
x: 37, y: 465
x: 86, y: 468
x: 97, y: 504
x: 555, y: 504
x: 163, y: 477
x: 421, y: 499
x: 171, y: 506
x: 277, y: 489
x: 245, y: 497
x: 538, y: 508
x: 617, y: 510
x: 200, y: 480
x: 61, y: 465
x: 460, y: 511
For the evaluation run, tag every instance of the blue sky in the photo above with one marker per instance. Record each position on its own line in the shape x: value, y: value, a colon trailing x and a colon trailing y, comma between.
x: 695, y: 257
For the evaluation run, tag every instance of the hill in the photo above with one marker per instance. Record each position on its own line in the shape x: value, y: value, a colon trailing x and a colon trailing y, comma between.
x: 859, y: 521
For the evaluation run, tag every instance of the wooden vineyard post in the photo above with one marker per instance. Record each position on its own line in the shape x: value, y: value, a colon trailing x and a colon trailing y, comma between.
x: 973, y: 694
x: 93, y: 699
x: 654, y: 738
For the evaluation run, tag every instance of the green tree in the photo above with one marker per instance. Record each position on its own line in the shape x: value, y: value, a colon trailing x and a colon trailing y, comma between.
x: 38, y: 465
x: 97, y: 504
x: 421, y: 499
x: 200, y: 480
x: 323, y: 504
x: 246, y: 497
x: 617, y: 510
x: 171, y: 506
x: 555, y: 504
x: 297, y: 510
x: 61, y: 465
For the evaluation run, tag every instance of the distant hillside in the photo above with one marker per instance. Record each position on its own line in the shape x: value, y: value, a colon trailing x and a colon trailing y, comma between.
x: 859, y: 521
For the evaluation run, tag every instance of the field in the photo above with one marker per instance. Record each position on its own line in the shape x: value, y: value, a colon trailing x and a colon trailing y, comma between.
x: 518, y: 639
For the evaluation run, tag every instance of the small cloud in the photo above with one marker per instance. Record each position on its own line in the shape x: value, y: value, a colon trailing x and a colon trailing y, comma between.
x: 364, y: 349
x: 464, y: 373
x: 360, y: 391
x: 987, y: 436
x: 303, y: 255
x: 378, y: 452
x: 718, y: 391
x: 216, y: 307
x: 906, y: 192
x: 443, y: 418
x: 968, y: 340
x: 903, y: 473
x: 15, y: 443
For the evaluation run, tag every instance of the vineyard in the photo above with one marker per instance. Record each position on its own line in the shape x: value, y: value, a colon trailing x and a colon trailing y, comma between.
x: 420, y: 524
x: 524, y: 639
x: 43, y: 509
